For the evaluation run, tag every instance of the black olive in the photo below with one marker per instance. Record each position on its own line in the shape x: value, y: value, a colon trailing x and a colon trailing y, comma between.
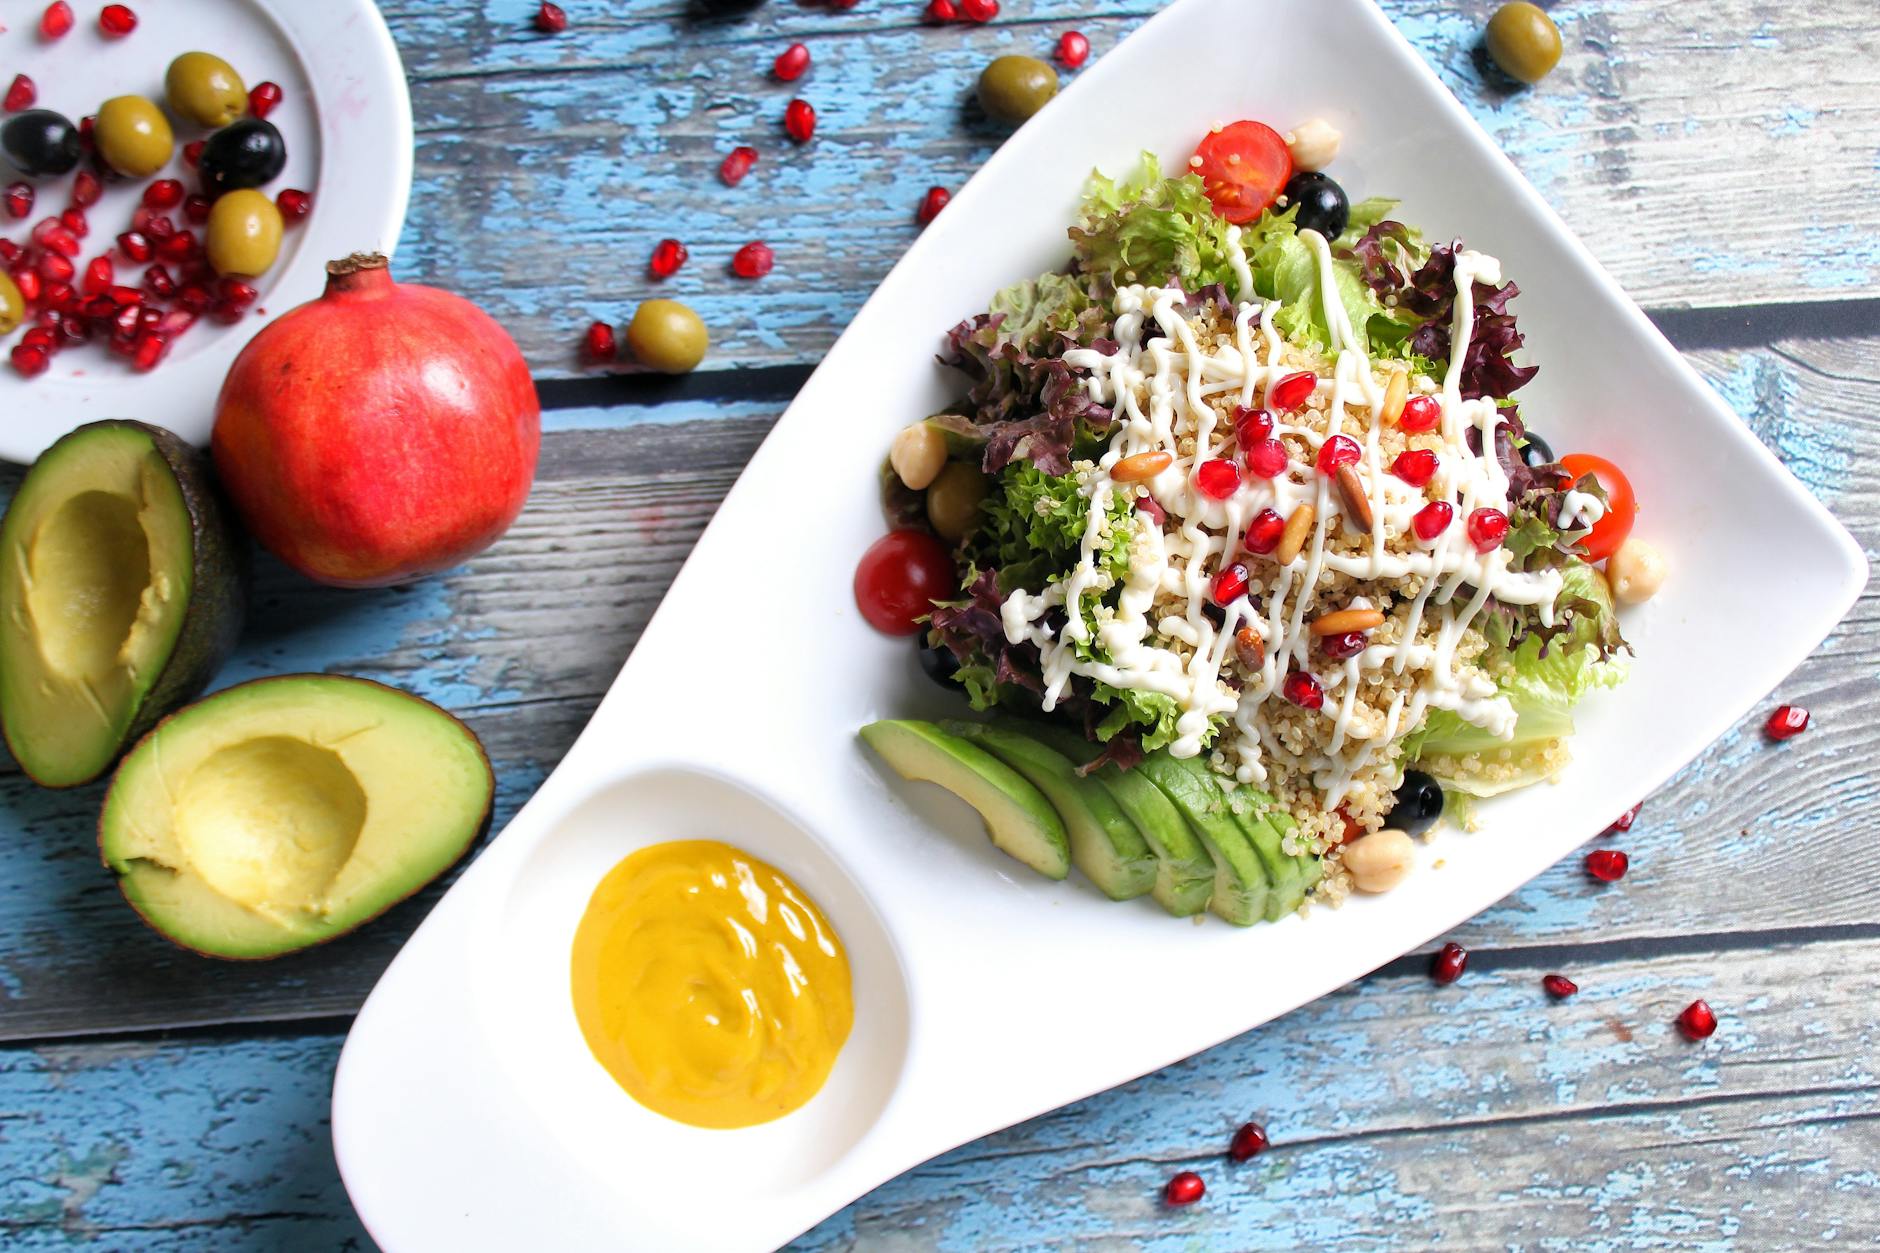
x: 40, y: 141
x: 1537, y: 451
x: 1419, y: 804
x: 727, y: 8
x: 937, y: 661
x: 246, y: 153
x: 1322, y: 204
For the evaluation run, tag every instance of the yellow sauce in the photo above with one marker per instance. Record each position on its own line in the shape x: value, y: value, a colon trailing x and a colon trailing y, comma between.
x: 710, y: 987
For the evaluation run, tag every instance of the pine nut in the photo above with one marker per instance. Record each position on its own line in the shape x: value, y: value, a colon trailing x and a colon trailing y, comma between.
x: 1141, y: 466
x: 1250, y: 648
x: 1395, y: 393
x: 1351, y: 494
x: 918, y: 454
x: 1341, y: 621
x: 1293, y: 538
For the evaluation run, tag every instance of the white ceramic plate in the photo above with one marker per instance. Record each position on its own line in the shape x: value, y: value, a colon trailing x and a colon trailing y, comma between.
x: 467, y: 1112
x: 346, y: 119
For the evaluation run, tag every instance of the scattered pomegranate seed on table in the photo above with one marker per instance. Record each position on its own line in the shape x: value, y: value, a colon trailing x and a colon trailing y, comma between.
x: 1072, y: 49
x: 1558, y: 986
x: 979, y: 10
x: 1487, y: 529
x: 294, y: 204
x: 936, y: 199
x: 599, y: 345
x: 263, y: 98
x: 1449, y: 963
x: 1303, y: 690
x: 551, y: 19
x: 196, y: 209
x: 19, y: 199
x: 1184, y: 1189
x: 736, y: 165
x: 1607, y: 864
x: 116, y: 20
x: 1787, y: 722
x: 939, y: 13
x: 799, y: 120
x: 668, y: 256
x: 754, y: 260
x: 192, y: 152
x: 29, y: 359
x: 1697, y: 1021
x: 86, y: 188
x: 791, y: 63
x: 74, y: 220
x: 1249, y: 1141
x: 1624, y: 821
x: 56, y: 21
x: 20, y: 94
x: 100, y: 276
x: 165, y: 193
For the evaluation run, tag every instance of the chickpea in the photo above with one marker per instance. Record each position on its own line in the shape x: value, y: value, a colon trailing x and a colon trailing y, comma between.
x: 953, y: 500
x: 918, y: 454
x: 1636, y: 572
x: 1313, y: 144
x: 1379, y: 861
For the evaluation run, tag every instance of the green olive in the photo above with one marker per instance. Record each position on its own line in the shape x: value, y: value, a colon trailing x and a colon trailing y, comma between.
x: 1013, y: 88
x: 1524, y: 41
x: 244, y: 233
x: 12, y: 308
x: 133, y: 136
x: 953, y: 500
x: 204, y: 88
x: 666, y: 336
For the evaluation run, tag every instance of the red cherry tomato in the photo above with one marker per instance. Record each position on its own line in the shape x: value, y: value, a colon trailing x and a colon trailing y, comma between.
x: 1245, y: 166
x: 1621, y: 506
x: 899, y: 578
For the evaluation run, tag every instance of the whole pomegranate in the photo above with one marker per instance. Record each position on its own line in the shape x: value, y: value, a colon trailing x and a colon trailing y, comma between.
x: 382, y: 432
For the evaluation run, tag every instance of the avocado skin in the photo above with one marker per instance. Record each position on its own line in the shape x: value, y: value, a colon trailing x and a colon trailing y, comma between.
x: 476, y: 835
x: 212, y: 621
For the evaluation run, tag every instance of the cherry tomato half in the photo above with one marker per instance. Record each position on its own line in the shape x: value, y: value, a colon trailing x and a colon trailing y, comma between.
x: 899, y: 578
x: 1244, y: 166
x: 1621, y: 506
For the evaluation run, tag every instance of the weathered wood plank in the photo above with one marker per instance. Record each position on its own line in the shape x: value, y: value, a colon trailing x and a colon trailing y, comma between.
x: 1681, y: 141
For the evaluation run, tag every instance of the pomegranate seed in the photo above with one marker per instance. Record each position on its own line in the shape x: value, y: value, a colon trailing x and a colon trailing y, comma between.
x: 1339, y: 450
x: 10, y: 252
x: 265, y: 97
x: 1184, y: 1189
x: 21, y: 94
x: 1420, y: 414
x: 1230, y: 584
x: 550, y: 19
x: 52, y: 235
x: 1449, y: 963
x: 1607, y: 864
x: 134, y: 246
x: 599, y: 345
x: 196, y: 210
x: 155, y: 225
x: 151, y: 348
x: 56, y: 267
x: 791, y: 63
x: 86, y: 189
x: 99, y: 275
x: 799, y: 121
x: 175, y: 322
x: 42, y: 338
x: 74, y: 221
x: 1252, y: 426
x: 178, y: 247
x: 1787, y: 722
x: 119, y: 296
x: 936, y: 199
x: 124, y: 322
x: 235, y: 292
x: 28, y: 283
x: 668, y: 256
x: 1292, y: 391
x: 101, y: 307
x: 1249, y: 1141
x: 1487, y: 528
x: 979, y: 10
x: 1433, y: 519
x: 56, y: 20
x: 19, y: 199
x: 1558, y: 986
x: 193, y: 297
x: 1624, y: 821
x: 117, y: 20
x: 59, y: 295
x: 1415, y: 467
x: 1303, y: 690
x: 753, y: 260
x: 192, y: 153
x: 72, y: 330
x: 1697, y: 1020
x: 1267, y: 459
x: 158, y: 283
x: 736, y: 165
x: 939, y: 13
x: 1264, y: 531
x: 86, y: 125
x: 165, y: 193
x: 29, y: 360
x: 293, y: 203
x: 1342, y: 646
x: 1072, y: 51
x: 1217, y: 479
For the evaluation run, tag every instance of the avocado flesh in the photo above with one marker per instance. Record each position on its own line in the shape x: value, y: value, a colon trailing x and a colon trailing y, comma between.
x: 1240, y: 880
x: 284, y: 812
x: 1285, y: 877
x: 1018, y: 818
x: 1105, y: 844
x: 121, y: 593
x: 1184, y: 869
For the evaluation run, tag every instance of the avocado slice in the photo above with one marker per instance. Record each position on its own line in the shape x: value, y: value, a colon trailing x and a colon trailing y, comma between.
x: 1184, y: 869
x: 1019, y: 819
x: 1105, y: 844
x: 1240, y: 880
x: 1284, y: 876
x: 121, y: 594
x: 287, y: 811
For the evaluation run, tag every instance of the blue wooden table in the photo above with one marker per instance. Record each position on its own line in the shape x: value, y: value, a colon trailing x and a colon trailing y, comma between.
x: 1721, y: 159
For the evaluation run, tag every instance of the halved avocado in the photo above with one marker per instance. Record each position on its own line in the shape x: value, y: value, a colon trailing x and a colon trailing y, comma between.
x: 122, y: 589
x: 287, y: 811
